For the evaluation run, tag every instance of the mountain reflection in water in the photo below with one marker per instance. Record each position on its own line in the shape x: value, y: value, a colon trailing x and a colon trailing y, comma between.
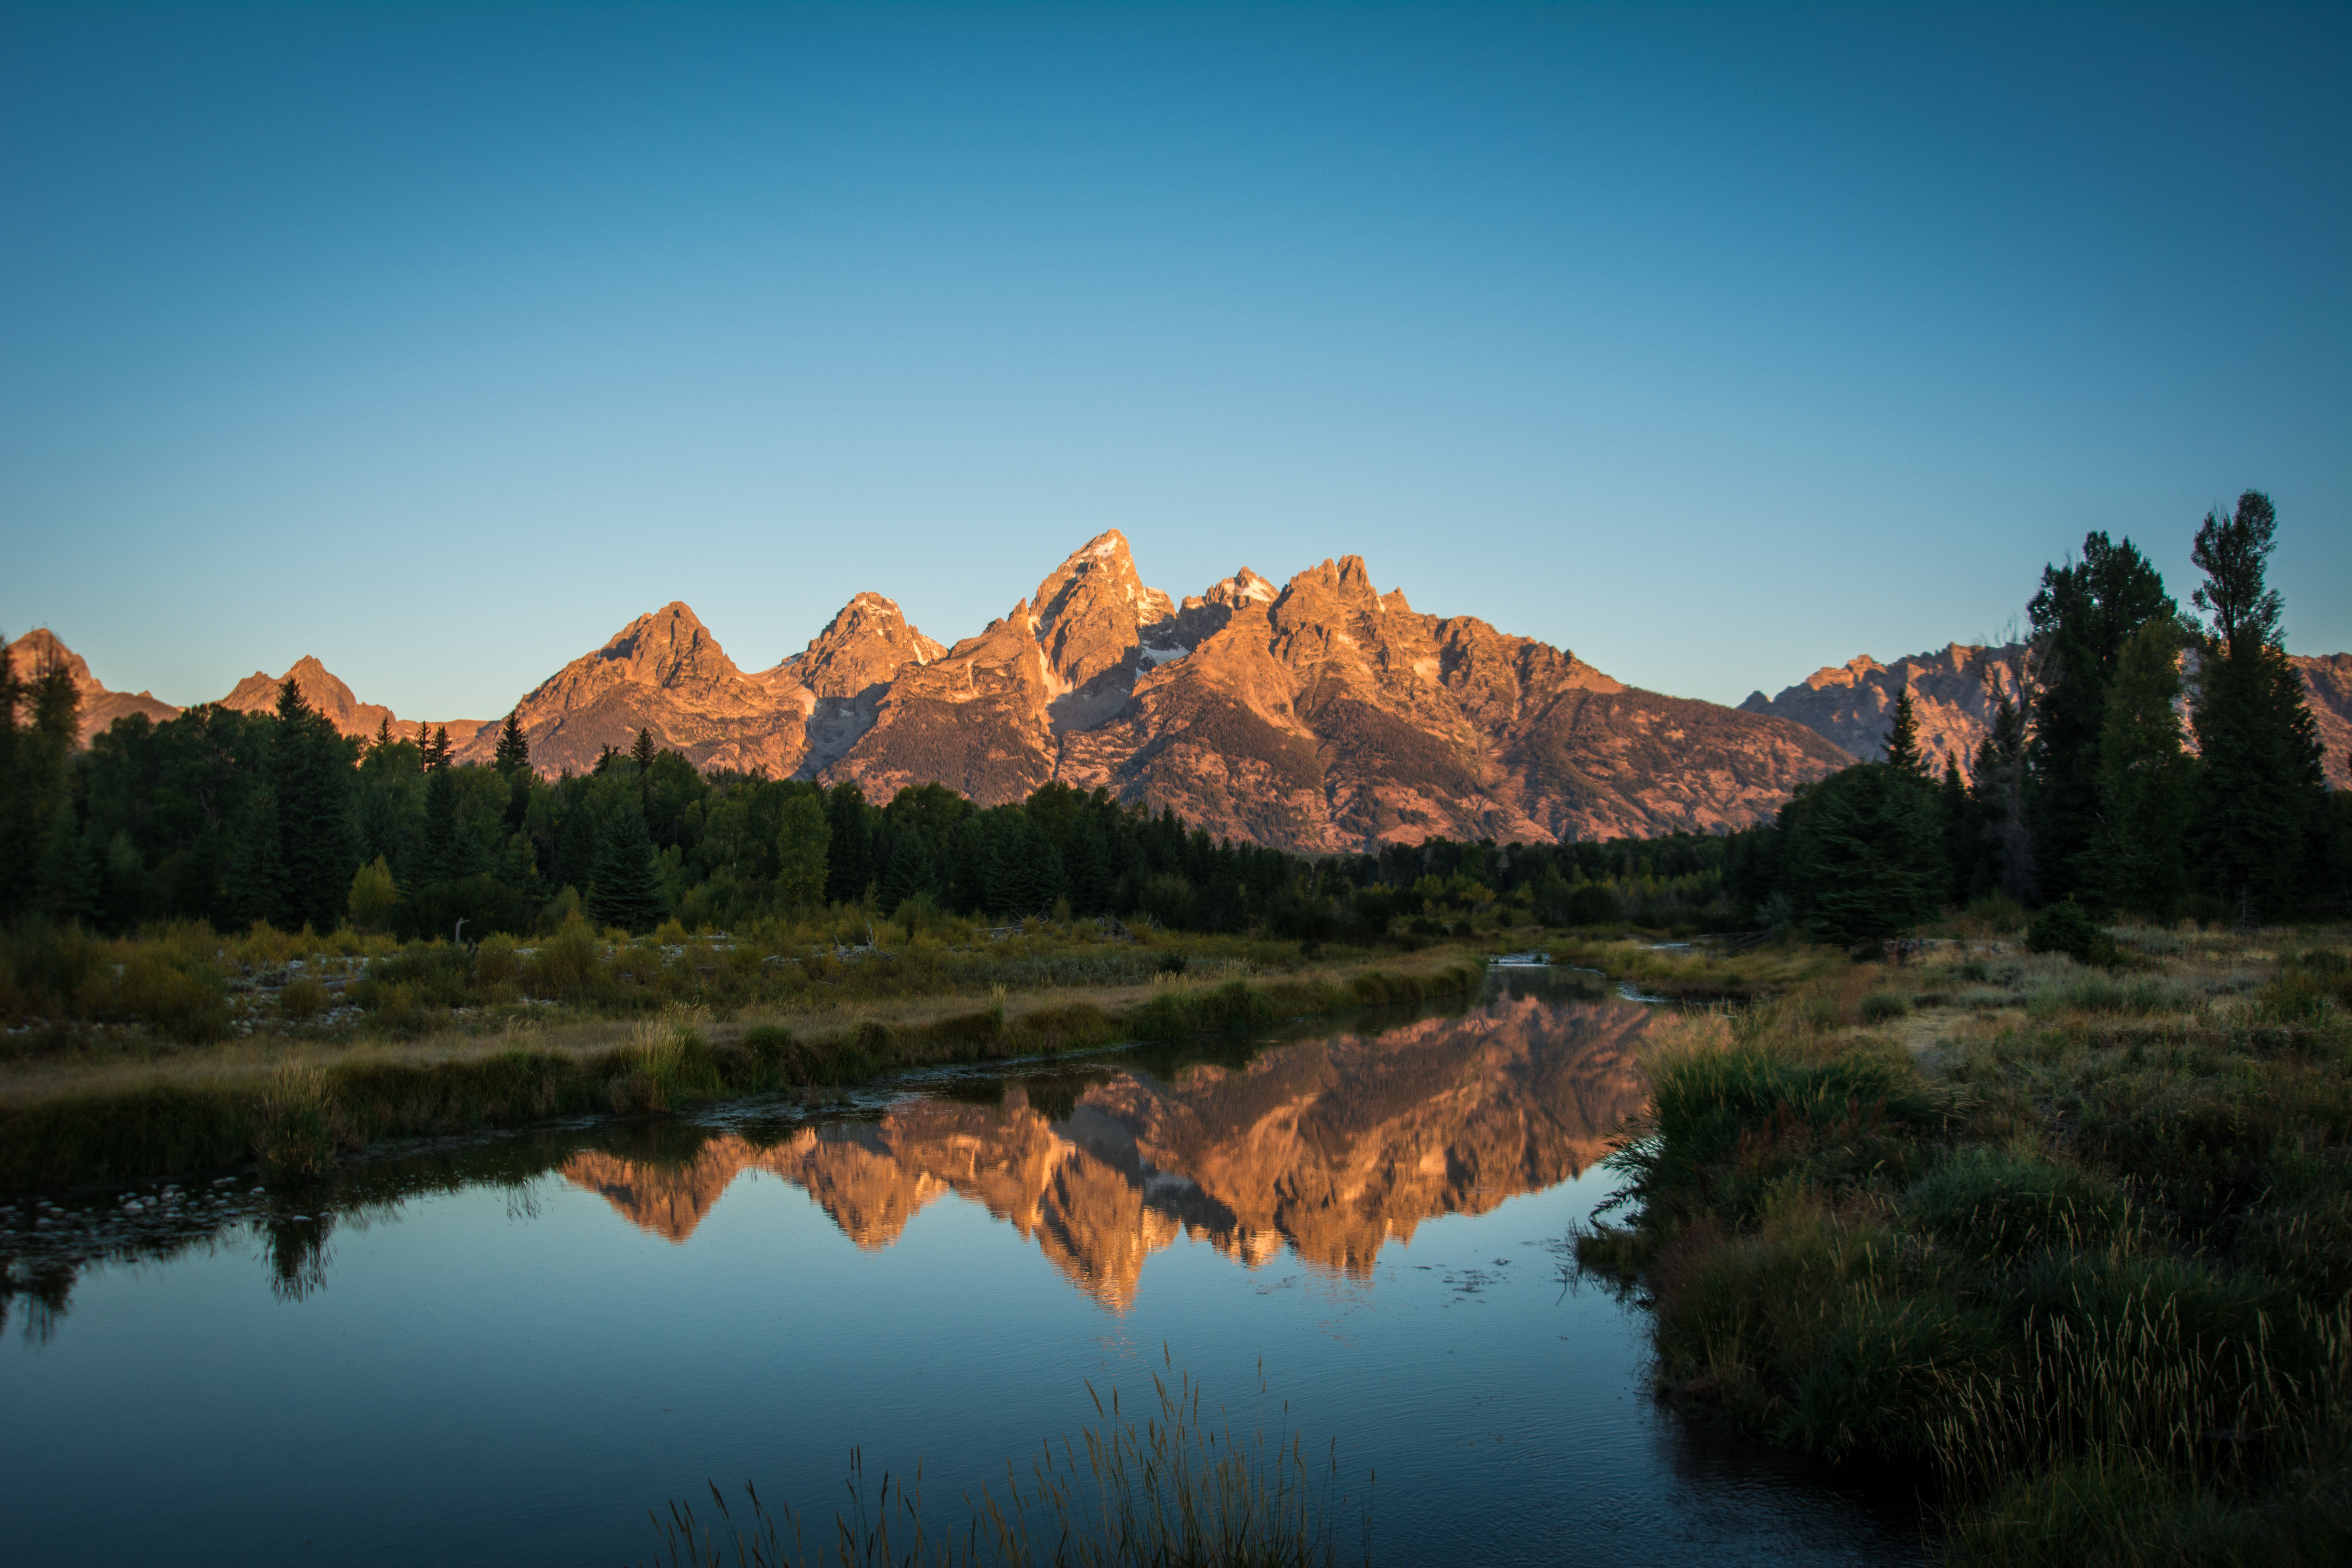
x: 1329, y: 1147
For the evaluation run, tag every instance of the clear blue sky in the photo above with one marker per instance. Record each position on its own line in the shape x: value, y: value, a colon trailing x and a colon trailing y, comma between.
x: 1714, y: 343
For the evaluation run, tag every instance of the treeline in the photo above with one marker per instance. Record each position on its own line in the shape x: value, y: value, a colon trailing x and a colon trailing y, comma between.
x: 233, y: 818
x: 2087, y: 789
x: 2090, y: 787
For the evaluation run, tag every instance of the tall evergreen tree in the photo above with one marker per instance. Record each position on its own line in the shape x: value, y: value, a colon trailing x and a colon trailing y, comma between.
x: 513, y: 754
x: 627, y: 889
x: 908, y: 868
x: 1903, y: 753
x: 1963, y: 832
x: 37, y: 806
x: 2144, y: 775
x: 2082, y: 616
x: 316, y: 796
x: 446, y: 851
x: 804, y: 837
x: 642, y: 751
x: 850, y: 853
x: 513, y: 760
x: 2260, y: 780
x: 1092, y: 886
x: 1865, y: 858
x: 2007, y: 861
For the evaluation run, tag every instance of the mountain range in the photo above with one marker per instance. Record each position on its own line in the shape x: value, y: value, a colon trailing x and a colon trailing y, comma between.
x: 1317, y: 715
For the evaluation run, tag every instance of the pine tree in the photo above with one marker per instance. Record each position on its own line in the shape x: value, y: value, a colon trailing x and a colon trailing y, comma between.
x: 68, y: 876
x: 1963, y: 832
x: 627, y: 889
x: 849, y: 853
x: 1865, y: 857
x: 2144, y: 775
x: 513, y: 760
x: 2082, y: 616
x: 36, y: 809
x: 2007, y: 862
x: 383, y: 740
x: 2260, y: 785
x: 908, y: 869
x: 1091, y: 885
x: 512, y: 757
x: 315, y: 794
x: 1903, y: 753
x: 446, y: 851
x: 641, y: 753
x: 803, y: 837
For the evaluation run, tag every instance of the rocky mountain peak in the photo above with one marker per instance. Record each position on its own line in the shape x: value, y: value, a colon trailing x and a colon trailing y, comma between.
x: 320, y: 687
x: 866, y: 644
x: 1242, y: 588
x: 40, y: 649
x: 1090, y: 612
x: 669, y: 646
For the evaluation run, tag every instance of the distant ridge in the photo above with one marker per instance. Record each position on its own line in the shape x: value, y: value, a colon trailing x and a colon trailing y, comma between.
x: 1315, y: 715
x: 1954, y: 690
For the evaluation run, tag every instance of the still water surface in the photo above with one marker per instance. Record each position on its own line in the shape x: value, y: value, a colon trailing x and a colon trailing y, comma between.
x: 509, y: 1351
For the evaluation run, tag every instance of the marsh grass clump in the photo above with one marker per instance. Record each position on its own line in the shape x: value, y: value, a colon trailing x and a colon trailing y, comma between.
x: 1179, y: 1488
x: 295, y: 1128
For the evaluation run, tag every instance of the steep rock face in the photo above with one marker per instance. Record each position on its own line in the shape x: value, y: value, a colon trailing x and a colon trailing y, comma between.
x: 1330, y: 717
x: 1330, y: 1149
x: 984, y: 718
x: 2327, y: 690
x: 1953, y: 694
x: 38, y: 650
x: 975, y: 720
x: 663, y: 672
x: 839, y: 679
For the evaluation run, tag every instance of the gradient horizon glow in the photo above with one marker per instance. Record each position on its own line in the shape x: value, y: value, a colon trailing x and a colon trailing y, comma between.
x: 1713, y: 343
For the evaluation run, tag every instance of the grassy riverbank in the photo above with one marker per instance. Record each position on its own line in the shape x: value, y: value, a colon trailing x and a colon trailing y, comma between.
x: 2076, y: 1242
x: 431, y: 1039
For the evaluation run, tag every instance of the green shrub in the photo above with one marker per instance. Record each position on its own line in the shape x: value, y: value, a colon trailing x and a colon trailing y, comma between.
x: 167, y: 998
x: 302, y: 999
x: 1881, y: 1006
x: 2065, y: 927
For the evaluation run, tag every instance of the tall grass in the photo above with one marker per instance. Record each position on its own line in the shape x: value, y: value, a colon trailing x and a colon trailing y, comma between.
x: 1181, y: 1489
x: 2097, y: 1277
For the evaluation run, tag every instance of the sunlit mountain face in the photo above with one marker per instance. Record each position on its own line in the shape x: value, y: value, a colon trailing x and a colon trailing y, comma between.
x: 1327, y: 1149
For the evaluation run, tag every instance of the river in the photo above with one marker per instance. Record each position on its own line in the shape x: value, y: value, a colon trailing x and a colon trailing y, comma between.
x: 510, y: 1349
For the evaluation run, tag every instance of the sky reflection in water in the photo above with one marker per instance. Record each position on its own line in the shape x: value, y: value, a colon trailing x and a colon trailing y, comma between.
x: 459, y: 1356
